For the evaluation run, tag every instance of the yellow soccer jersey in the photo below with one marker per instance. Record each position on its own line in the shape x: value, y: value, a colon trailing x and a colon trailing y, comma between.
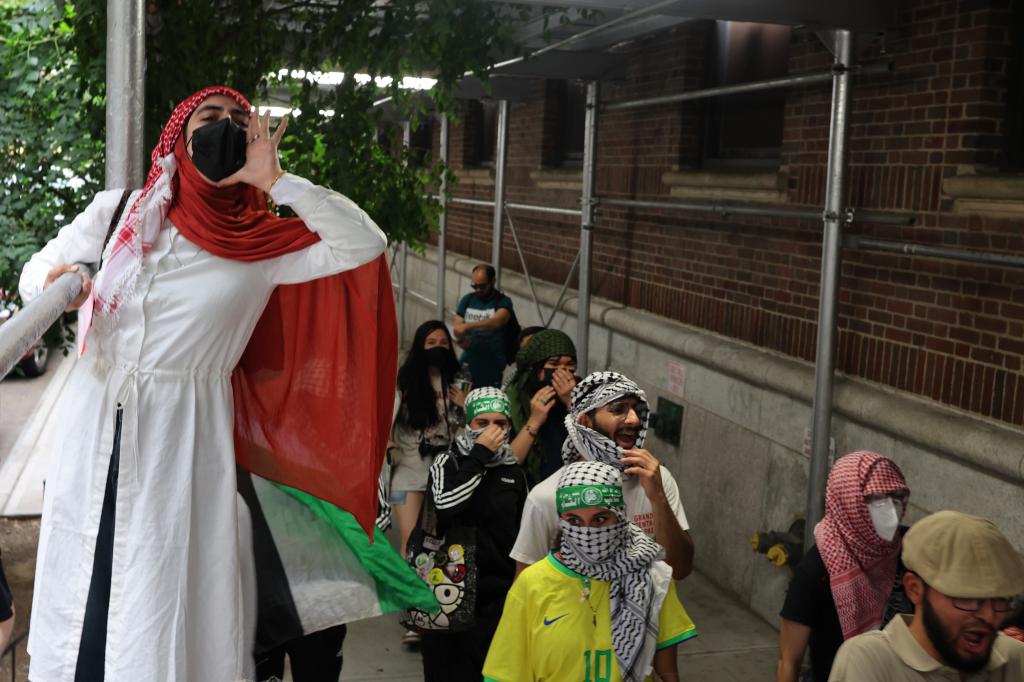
x: 548, y: 633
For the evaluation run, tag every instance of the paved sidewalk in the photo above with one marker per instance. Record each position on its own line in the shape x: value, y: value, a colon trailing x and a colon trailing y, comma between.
x: 733, y: 644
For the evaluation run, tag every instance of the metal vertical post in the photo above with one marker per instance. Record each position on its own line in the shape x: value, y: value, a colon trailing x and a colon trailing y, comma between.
x: 586, y: 233
x: 403, y: 260
x: 126, y: 92
x: 442, y: 220
x: 501, y: 144
x: 824, y: 364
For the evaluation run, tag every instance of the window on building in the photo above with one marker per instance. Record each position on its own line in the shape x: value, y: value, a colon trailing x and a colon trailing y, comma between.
x: 1013, y: 153
x: 570, y: 114
x: 481, y: 132
x: 746, y: 130
x: 421, y: 141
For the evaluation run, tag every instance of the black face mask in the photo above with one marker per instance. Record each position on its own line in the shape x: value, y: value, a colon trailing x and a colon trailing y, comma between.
x: 218, y: 149
x: 438, y: 356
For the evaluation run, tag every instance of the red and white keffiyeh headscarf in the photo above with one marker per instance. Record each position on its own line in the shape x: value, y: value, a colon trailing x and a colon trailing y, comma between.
x: 115, y: 282
x: 861, y: 566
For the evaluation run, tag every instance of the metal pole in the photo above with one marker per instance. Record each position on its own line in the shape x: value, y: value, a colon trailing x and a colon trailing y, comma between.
x: 442, y: 221
x: 126, y: 92
x: 586, y: 233
x: 832, y: 243
x: 19, y: 333
x: 542, y: 209
x: 403, y: 267
x: 724, y: 210
x: 499, y: 189
x: 997, y: 259
x: 756, y: 86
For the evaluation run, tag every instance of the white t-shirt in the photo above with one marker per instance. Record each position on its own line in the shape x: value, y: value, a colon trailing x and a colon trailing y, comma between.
x: 539, y: 526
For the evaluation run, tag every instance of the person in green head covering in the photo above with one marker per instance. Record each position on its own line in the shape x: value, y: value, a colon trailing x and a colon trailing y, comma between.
x: 538, y: 394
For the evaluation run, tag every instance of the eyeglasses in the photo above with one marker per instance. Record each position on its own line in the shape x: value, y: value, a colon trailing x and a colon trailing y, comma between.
x: 480, y: 287
x: 999, y: 604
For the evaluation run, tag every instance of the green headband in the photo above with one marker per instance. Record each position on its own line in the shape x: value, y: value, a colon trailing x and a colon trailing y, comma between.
x: 483, y: 405
x: 588, y: 495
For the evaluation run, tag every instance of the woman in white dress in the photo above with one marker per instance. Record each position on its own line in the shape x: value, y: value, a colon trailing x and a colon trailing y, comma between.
x: 144, y: 564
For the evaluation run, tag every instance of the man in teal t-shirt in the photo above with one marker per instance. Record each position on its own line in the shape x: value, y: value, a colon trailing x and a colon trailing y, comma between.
x: 480, y: 320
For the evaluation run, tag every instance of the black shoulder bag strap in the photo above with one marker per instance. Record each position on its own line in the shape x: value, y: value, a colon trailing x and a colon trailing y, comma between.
x: 114, y: 220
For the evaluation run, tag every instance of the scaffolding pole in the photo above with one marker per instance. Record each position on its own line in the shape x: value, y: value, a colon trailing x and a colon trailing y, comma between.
x: 442, y: 220
x: 831, y: 249
x: 126, y: 92
x: 586, y: 231
x: 725, y: 210
x: 403, y: 259
x: 499, y: 189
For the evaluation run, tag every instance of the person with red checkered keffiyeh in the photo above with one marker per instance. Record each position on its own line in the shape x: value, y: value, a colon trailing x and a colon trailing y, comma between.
x: 216, y: 334
x: 844, y: 585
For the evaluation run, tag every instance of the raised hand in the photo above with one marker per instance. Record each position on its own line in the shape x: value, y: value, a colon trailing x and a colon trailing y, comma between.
x: 262, y: 166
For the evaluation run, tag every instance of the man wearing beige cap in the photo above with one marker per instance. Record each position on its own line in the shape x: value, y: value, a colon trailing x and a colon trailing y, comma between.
x: 965, y: 580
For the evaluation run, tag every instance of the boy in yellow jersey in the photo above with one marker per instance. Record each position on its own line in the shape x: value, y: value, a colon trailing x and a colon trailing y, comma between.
x: 602, y: 607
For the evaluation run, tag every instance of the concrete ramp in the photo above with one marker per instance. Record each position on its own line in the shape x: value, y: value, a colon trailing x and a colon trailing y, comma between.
x: 24, y: 467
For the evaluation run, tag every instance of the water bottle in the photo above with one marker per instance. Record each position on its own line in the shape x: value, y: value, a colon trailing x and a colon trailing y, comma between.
x: 463, y: 378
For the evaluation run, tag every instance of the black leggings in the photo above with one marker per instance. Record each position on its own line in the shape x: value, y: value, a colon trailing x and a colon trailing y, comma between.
x: 314, y: 658
x: 93, y: 645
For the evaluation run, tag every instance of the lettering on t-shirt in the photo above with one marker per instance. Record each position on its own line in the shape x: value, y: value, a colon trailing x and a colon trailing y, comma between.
x: 477, y: 314
x: 646, y: 522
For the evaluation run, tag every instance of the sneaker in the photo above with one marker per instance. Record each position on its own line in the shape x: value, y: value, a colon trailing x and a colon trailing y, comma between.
x: 411, y: 638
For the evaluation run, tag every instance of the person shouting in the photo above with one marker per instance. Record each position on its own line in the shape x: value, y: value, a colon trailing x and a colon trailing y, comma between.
x: 219, y: 332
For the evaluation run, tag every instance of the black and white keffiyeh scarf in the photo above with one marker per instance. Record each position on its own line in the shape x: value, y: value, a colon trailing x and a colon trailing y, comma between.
x: 481, y: 401
x: 622, y: 555
x: 598, y: 390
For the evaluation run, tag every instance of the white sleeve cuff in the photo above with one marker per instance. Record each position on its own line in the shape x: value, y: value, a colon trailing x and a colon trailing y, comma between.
x: 288, y: 189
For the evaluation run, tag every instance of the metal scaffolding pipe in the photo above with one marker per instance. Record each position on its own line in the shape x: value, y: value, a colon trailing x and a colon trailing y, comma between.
x: 741, y: 88
x: 997, y: 259
x: 831, y: 249
x: 471, y: 202
x: 403, y: 266
x: 19, y: 333
x: 442, y: 221
x: 586, y: 231
x: 543, y: 209
x: 499, y: 189
x: 126, y: 92
x: 724, y: 210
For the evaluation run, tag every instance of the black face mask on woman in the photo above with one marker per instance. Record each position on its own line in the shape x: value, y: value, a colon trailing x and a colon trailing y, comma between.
x: 218, y: 149
x: 438, y: 356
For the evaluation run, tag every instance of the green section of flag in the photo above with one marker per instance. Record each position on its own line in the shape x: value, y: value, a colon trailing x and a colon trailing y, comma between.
x: 398, y: 587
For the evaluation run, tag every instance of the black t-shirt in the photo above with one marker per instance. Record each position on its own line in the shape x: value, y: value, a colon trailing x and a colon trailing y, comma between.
x: 809, y: 602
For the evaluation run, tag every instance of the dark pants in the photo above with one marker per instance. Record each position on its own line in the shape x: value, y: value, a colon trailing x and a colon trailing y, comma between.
x: 314, y: 658
x: 457, y: 656
x: 93, y: 645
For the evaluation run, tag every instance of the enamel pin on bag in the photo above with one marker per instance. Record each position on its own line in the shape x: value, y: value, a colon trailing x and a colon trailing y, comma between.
x: 447, y: 564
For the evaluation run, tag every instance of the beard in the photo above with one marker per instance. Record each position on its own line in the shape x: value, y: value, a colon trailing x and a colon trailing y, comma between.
x: 944, y: 642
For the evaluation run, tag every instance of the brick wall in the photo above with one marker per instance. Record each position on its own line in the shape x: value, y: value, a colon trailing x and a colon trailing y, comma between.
x: 948, y: 331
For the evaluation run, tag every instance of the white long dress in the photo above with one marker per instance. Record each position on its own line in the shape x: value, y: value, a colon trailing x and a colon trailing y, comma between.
x: 178, y: 599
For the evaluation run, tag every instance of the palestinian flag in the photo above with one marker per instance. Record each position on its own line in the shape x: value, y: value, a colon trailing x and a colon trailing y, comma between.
x: 316, y: 567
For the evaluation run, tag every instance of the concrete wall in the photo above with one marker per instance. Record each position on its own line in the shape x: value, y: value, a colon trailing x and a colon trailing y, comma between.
x: 740, y: 462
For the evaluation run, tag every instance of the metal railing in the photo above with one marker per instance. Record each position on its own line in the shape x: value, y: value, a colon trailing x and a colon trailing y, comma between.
x: 19, y: 333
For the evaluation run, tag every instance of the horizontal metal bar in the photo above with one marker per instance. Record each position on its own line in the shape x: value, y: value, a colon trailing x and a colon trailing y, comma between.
x: 417, y: 295
x: 542, y: 209
x: 19, y: 333
x: 1002, y: 259
x: 756, y: 86
x: 770, y: 211
x: 471, y: 202
x: 721, y: 209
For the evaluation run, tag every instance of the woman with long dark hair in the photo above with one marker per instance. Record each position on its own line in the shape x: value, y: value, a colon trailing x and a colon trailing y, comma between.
x: 429, y: 416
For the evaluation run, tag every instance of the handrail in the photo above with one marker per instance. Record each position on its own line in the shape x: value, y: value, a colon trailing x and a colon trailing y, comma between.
x: 19, y: 333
